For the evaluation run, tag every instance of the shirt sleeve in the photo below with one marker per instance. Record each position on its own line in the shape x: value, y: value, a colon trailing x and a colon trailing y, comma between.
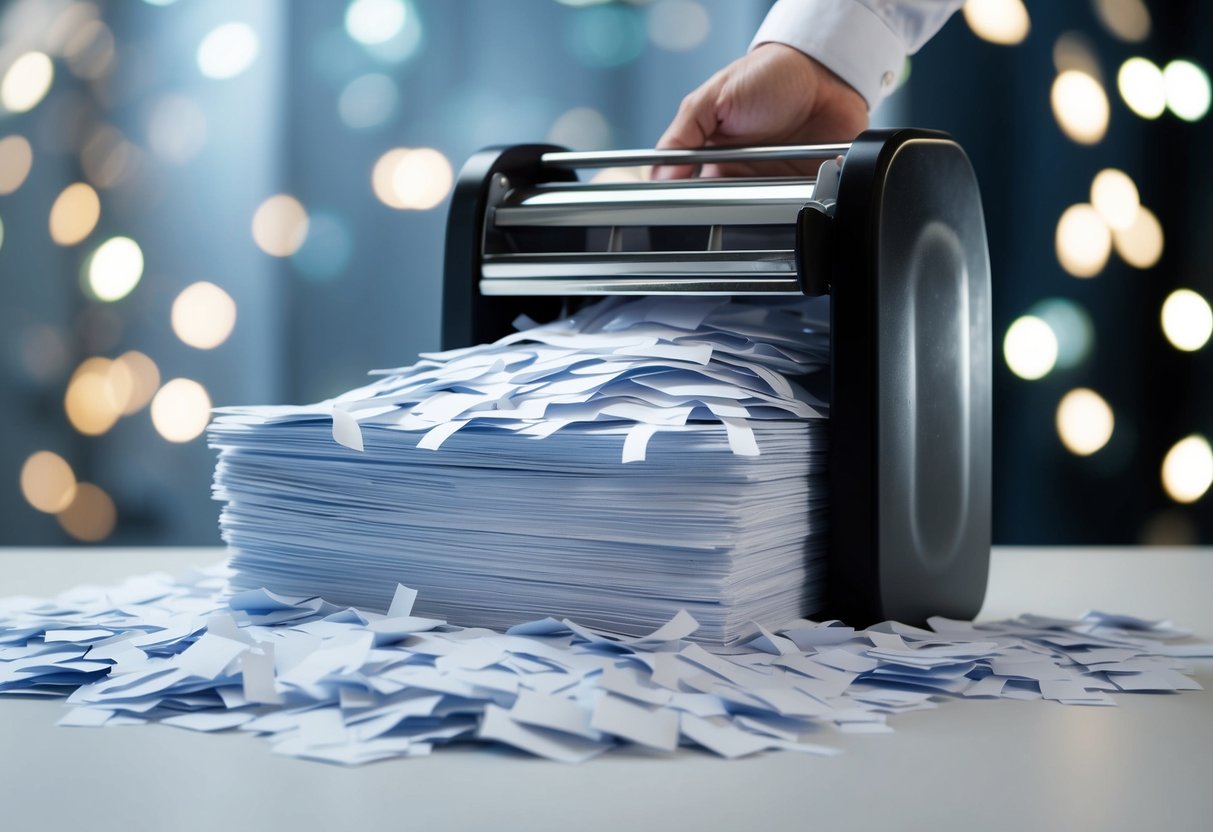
x: 864, y: 42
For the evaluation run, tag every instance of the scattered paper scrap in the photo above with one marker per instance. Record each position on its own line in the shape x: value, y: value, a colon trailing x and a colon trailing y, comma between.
x: 347, y: 686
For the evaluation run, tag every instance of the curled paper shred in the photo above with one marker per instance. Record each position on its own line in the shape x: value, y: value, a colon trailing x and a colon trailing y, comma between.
x: 647, y: 361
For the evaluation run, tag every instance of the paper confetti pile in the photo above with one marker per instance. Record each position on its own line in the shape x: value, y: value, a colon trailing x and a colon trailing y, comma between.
x: 533, y: 506
x: 346, y: 686
x: 653, y: 364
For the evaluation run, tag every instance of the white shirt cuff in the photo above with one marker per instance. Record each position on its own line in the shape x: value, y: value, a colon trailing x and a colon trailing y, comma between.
x: 846, y: 36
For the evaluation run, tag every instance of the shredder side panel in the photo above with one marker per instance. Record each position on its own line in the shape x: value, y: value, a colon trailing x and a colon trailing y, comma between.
x: 911, y: 409
x: 467, y: 316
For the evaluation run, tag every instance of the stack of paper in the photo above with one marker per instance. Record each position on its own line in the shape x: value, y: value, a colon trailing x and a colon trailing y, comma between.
x: 640, y: 457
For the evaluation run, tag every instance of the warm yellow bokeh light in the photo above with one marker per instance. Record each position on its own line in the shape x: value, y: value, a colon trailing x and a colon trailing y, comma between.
x: 1084, y: 421
x: 1030, y: 348
x: 383, y: 177
x: 1128, y: 20
x: 16, y: 158
x: 416, y: 179
x: 280, y: 225
x: 1083, y: 241
x: 48, y: 482
x: 1114, y: 196
x: 115, y: 268
x: 144, y: 380
x: 74, y: 214
x: 203, y: 315
x: 1080, y: 106
x: 1187, y: 320
x: 181, y: 410
x: 1003, y: 22
x: 1140, y: 245
x: 638, y: 174
x: 1142, y: 87
x: 96, y: 396
x: 1187, y: 470
x: 422, y: 179
x: 27, y: 82
x: 1187, y: 90
x: 91, y: 517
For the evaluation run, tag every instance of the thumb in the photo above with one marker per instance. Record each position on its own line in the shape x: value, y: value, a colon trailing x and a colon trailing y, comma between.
x: 693, y: 126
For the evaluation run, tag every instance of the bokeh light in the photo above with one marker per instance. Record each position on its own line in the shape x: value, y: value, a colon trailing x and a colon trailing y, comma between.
x: 91, y: 517
x: 57, y: 35
x: 107, y: 157
x: 367, y: 101
x: 114, y: 269
x: 44, y: 353
x: 16, y: 158
x: 1114, y: 196
x: 26, y: 82
x: 176, y: 129
x: 1187, y: 469
x: 1141, y: 244
x: 1072, y: 327
x: 404, y: 44
x: 1074, y: 50
x: 606, y: 36
x: 1080, y: 106
x: 416, y: 179
x: 48, y: 482
x: 643, y: 173
x: 374, y: 21
x: 327, y: 249
x: 90, y: 51
x: 74, y: 214
x: 1083, y: 241
x: 1142, y: 87
x: 678, y: 25
x: 1169, y: 527
x: 1004, y: 22
x: 1084, y: 421
x: 1128, y: 20
x: 97, y: 394
x: 181, y: 410
x: 280, y: 225
x: 1187, y: 320
x: 1187, y: 90
x: 203, y: 315
x: 227, y: 50
x: 383, y: 176
x: 581, y: 128
x: 1030, y: 348
x: 422, y: 179
x: 144, y: 378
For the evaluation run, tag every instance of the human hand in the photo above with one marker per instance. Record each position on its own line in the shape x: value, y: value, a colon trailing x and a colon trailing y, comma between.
x: 773, y: 95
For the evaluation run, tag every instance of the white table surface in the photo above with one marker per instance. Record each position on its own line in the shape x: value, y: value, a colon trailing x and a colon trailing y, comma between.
x: 971, y: 765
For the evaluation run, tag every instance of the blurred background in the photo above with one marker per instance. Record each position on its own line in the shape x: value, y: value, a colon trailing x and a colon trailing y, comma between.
x: 208, y: 202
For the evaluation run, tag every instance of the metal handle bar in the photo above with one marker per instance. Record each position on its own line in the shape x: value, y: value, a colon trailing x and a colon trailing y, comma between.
x: 625, y: 158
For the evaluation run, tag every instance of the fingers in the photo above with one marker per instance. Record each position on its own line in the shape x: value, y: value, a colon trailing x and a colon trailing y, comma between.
x: 693, y: 126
